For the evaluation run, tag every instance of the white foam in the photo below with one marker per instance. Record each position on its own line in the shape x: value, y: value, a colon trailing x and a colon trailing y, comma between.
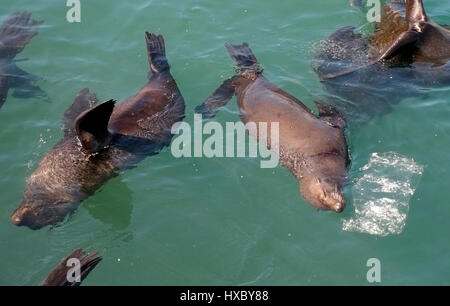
x: 381, y: 194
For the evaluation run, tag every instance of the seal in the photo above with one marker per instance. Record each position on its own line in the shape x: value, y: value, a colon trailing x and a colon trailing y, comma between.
x: 398, y: 40
x: 313, y: 148
x: 367, y: 76
x: 15, y: 33
x: 58, y: 276
x: 101, y: 139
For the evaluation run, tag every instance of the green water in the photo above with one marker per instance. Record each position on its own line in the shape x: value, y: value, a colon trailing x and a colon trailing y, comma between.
x: 213, y: 221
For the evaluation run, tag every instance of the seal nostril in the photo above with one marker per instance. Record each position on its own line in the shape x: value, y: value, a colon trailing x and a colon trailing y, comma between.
x: 338, y: 207
x: 16, y: 220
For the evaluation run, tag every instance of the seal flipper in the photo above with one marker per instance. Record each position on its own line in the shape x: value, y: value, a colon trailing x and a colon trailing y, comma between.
x: 218, y: 98
x: 406, y: 38
x: 22, y: 82
x: 17, y: 75
x: 242, y: 55
x: 415, y: 12
x: 415, y: 19
x: 408, y: 32
x: 58, y: 276
x: 16, y: 32
x: 156, y: 53
x: 27, y: 90
x: 92, y: 126
x: 83, y: 101
x: 330, y: 115
x: 247, y: 67
x: 247, y: 64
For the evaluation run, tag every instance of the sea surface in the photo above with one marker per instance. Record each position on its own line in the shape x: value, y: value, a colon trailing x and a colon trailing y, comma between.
x: 224, y: 221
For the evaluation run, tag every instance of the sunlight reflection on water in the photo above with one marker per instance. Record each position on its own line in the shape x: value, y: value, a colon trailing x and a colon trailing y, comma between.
x: 381, y: 194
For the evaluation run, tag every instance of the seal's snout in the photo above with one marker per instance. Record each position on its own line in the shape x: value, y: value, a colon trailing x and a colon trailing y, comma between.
x: 21, y: 216
x: 17, y: 219
x: 331, y: 196
x: 324, y: 194
x: 339, y: 206
x: 333, y: 201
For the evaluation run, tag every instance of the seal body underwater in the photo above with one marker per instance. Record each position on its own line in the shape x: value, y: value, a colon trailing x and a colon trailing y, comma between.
x: 313, y: 148
x: 15, y: 33
x: 101, y: 140
x: 406, y: 52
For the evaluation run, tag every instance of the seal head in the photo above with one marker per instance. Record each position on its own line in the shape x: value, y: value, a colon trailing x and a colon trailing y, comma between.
x: 323, y: 193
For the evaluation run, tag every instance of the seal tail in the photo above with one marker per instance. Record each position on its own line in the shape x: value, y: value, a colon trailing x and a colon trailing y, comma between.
x: 16, y: 32
x: 244, y: 58
x: 156, y: 53
x: 58, y: 277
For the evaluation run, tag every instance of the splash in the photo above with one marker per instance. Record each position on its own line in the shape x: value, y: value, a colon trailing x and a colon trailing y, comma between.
x: 381, y: 194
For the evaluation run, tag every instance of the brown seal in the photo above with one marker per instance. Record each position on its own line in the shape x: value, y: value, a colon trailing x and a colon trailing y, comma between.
x: 398, y: 40
x: 100, y: 140
x: 368, y: 75
x: 312, y: 148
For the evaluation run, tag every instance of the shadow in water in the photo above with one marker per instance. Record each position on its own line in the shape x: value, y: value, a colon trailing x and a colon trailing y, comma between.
x: 112, y: 205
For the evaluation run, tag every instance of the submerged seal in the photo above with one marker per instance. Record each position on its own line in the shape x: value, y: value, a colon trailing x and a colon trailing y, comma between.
x: 100, y: 140
x: 397, y: 40
x: 15, y: 33
x: 406, y: 52
x: 312, y: 148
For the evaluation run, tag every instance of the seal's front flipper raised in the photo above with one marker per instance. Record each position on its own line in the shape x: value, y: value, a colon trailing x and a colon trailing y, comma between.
x: 92, y: 127
x: 247, y: 64
x: 248, y: 67
x: 58, y: 276
x: 217, y: 99
x: 156, y: 53
x: 409, y: 37
x: 394, y: 35
x: 415, y: 12
x: 83, y: 101
x: 16, y: 32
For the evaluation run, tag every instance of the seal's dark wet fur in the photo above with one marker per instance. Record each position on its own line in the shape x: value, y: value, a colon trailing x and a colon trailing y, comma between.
x: 100, y: 140
x: 368, y: 75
